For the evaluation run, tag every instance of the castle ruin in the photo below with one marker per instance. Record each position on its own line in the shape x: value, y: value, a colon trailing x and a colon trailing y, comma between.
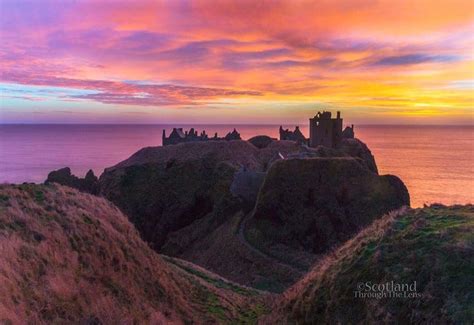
x: 323, y: 131
x: 327, y: 131
x: 295, y: 135
x: 178, y: 136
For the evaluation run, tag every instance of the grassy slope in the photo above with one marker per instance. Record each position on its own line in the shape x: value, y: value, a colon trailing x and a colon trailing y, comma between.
x: 71, y: 257
x: 433, y: 246
x: 223, y: 252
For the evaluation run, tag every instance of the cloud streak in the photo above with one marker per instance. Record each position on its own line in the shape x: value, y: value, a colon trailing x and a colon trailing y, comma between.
x: 417, y: 58
x: 123, y: 93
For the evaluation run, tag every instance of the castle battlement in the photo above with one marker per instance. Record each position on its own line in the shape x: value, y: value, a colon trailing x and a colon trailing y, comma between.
x: 324, y: 130
x: 179, y: 136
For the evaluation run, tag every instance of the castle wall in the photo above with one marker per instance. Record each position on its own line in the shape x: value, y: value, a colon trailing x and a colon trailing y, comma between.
x: 337, y: 131
x: 177, y: 136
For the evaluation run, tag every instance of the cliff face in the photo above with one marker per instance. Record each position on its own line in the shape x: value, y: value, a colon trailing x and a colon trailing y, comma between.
x: 433, y: 246
x: 165, y: 189
x: 184, y: 198
x: 316, y: 203
x: 357, y: 149
x: 70, y: 257
x: 188, y: 200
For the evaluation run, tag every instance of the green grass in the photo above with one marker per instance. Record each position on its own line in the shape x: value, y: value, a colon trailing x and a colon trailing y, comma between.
x: 4, y: 200
x: 251, y: 315
x: 39, y: 196
x: 219, y: 283
x: 214, y: 307
x: 432, y: 246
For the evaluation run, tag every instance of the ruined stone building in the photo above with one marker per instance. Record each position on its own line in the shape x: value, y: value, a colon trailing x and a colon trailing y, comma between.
x: 327, y: 131
x: 323, y: 131
x: 234, y: 135
x: 295, y: 135
x: 178, y: 136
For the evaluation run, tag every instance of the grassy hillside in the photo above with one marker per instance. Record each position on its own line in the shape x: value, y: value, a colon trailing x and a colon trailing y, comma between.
x: 70, y: 257
x: 433, y: 246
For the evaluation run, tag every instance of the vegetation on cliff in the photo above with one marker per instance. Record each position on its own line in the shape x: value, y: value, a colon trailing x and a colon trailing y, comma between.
x: 70, y: 257
x: 433, y: 246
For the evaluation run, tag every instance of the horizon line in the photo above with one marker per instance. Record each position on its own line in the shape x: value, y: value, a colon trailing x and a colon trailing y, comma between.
x: 228, y: 124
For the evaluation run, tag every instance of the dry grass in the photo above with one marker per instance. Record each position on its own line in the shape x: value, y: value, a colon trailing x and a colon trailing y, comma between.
x: 374, y: 232
x: 432, y: 246
x: 69, y: 257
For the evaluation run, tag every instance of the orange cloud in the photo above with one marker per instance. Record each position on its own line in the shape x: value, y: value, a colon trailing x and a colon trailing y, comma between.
x: 390, y: 58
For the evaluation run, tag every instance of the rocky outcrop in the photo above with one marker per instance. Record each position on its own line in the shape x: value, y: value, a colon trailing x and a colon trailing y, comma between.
x: 316, y: 203
x: 261, y: 141
x: 183, y: 198
x: 356, y: 148
x: 63, y: 176
x: 165, y: 189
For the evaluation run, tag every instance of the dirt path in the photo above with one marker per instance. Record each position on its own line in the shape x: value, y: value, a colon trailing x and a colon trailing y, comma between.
x: 255, y: 250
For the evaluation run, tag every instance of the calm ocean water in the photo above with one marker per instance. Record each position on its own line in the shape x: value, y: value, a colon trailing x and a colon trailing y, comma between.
x: 435, y: 162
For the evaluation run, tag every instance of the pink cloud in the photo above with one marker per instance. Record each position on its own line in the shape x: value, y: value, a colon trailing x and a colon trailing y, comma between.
x: 196, y: 53
x: 113, y: 92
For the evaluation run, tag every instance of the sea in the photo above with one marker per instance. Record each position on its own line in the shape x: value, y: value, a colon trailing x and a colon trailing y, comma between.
x: 435, y: 162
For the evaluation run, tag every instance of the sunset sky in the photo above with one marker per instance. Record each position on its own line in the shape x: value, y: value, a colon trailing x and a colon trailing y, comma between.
x: 253, y: 61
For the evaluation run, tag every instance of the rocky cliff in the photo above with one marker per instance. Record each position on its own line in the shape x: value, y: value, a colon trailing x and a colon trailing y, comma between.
x: 316, y: 203
x: 185, y: 199
x: 195, y: 201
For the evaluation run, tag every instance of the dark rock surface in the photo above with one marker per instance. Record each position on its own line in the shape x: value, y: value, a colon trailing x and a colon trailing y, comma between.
x: 63, y: 176
x: 315, y: 203
x: 246, y: 184
x: 183, y: 199
x: 261, y: 141
x: 356, y: 148
x: 348, y: 133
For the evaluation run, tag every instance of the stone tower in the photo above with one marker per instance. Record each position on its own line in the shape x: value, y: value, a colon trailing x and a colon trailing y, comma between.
x: 324, y: 130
